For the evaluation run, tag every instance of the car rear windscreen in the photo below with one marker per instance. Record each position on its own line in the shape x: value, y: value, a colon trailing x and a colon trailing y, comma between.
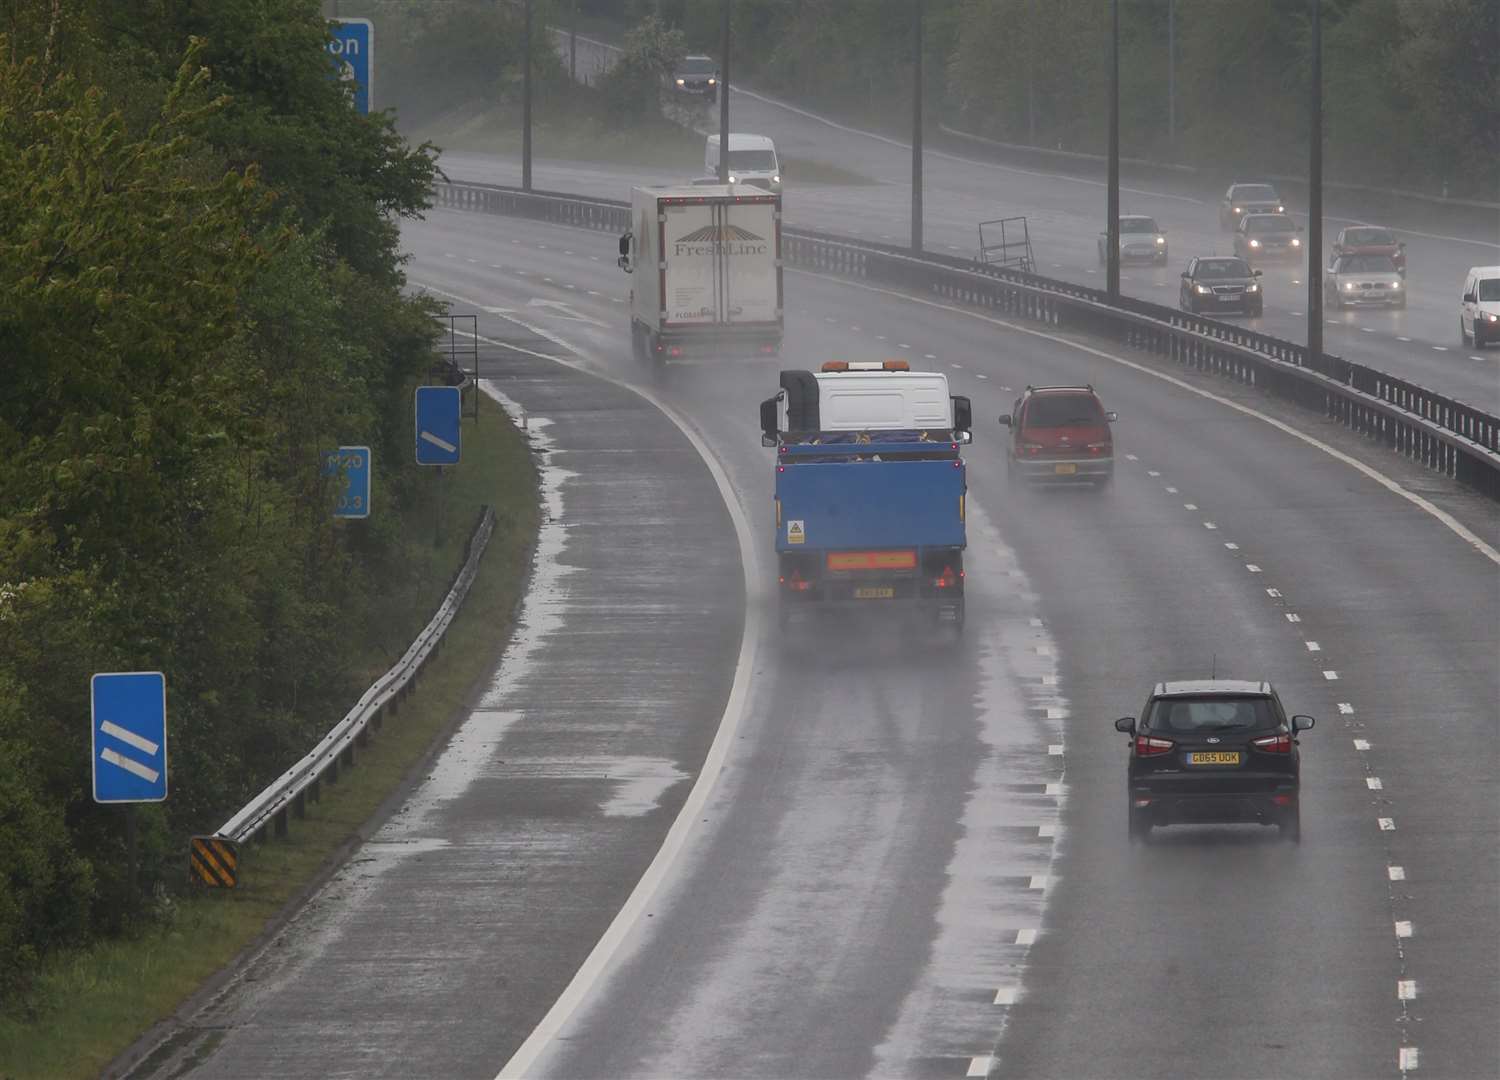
x: 1187, y: 716
x: 1063, y: 410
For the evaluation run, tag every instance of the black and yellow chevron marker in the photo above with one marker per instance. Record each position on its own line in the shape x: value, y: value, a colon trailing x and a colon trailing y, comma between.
x: 215, y: 861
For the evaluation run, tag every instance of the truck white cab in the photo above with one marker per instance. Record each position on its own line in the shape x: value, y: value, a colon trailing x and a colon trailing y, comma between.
x: 706, y: 266
x: 752, y: 160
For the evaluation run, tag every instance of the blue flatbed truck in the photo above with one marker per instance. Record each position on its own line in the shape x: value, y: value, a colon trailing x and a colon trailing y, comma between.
x: 870, y: 490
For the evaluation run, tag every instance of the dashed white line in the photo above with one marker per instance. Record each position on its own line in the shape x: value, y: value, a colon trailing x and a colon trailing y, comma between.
x: 1231, y: 545
x: 1025, y: 937
x: 1190, y: 506
x: 1362, y: 745
x: 929, y: 356
x: 1152, y: 472
x: 981, y: 1065
x: 902, y: 345
x: 1403, y: 339
x: 1440, y: 348
x: 977, y: 375
x: 1046, y: 832
x: 1479, y: 358
x: 1331, y: 676
x: 1292, y: 616
x: 1406, y: 989
x: 1403, y: 928
x: 1055, y: 749
x: 1274, y: 593
x: 1367, y: 329
x: 1346, y: 709
x: 1035, y: 621
x: 1049, y: 680
x: 1006, y: 995
x: 1055, y: 712
x: 1171, y: 490
x: 1209, y: 525
x: 1374, y: 784
x: 1387, y: 824
x: 1250, y: 566
x: 1131, y: 457
x: 1313, y: 646
x: 1053, y: 788
x: 1396, y: 873
x: 1040, y: 881
x: 1406, y: 1059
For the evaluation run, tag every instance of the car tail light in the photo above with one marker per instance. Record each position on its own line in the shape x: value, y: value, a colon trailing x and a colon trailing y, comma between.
x: 1280, y: 743
x: 1098, y: 447
x: 1284, y: 800
x: 1146, y: 746
x: 1031, y: 447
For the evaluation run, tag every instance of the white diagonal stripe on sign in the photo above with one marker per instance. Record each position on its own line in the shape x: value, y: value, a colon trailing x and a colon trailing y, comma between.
x: 428, y: 436
x: 115, y: 731
x: 144, y: 772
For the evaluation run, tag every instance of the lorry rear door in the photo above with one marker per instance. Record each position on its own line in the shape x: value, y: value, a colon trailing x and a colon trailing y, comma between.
x: 751, y: 250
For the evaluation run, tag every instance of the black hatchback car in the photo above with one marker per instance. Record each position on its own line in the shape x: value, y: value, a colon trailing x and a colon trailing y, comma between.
x: 1214, y: 750
x: 1221, y: 284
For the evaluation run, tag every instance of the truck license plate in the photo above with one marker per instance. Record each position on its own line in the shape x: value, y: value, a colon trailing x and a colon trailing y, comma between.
x: 872, y: 593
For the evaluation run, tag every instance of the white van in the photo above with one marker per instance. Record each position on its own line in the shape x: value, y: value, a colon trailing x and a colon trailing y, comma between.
x: 752, y: 160
x: 1479, y: 317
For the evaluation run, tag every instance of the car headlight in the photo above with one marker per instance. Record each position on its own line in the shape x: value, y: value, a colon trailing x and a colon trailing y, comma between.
x: 1349, y: 286
x: 1255, y: 243
x: 733, y: 179
x: 1237, y: 210
x: 1161, y: 241
x: 1395, y: 284
x: 1281, y: 209
x: 1296, y: 242
x: 713, y: 82
x: 681, y: 82
x: 1202, y: 290
x: 776, y: 178
x: 1491, y: 318
x: 1252, y: 288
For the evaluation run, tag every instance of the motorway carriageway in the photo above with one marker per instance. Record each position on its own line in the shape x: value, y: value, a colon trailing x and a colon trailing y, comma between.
x: 912, y: 861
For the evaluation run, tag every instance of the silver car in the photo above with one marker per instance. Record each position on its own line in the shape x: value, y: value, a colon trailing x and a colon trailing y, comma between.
x: 1140, y: 238
x: 1363, y: 279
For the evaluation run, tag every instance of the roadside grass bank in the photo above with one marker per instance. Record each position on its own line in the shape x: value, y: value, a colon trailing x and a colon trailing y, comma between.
x: 89, y: 1006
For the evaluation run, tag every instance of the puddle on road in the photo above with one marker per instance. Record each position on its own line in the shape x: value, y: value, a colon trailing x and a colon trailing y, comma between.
x: 638, y: 783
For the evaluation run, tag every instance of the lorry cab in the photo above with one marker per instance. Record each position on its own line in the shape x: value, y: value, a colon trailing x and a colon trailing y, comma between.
x: 870, y: 490
x: 752, y: 160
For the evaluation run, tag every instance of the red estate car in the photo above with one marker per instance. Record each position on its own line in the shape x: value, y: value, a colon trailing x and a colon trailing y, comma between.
x: 1370, y: 240
x: 1060, y: 434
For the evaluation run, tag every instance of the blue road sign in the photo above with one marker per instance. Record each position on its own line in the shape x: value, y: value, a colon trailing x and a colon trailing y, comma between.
x: 353, y: 52
x: 438, y: 410
x: 129, y: 746
x: 353, y: 467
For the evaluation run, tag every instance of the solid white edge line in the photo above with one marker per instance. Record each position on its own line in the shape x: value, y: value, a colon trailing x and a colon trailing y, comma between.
x: 1456, y: 526
x: 598, y: 959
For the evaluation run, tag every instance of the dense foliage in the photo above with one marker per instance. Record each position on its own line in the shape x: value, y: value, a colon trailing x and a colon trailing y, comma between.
x: 1411, y: 87
x: 200, y: 289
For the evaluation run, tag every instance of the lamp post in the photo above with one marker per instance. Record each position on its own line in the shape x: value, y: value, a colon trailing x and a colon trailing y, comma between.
x: 526, y: 101
x: 1112, y: 230
x: 1315, y: 198
x: 724, y: 96
x: 916, y: 128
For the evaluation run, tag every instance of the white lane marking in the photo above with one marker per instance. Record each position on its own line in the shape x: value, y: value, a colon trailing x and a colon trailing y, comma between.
x: 1427, y: 506
x: 1046, y: 832
x: 1231, y: 545
x: 439, y: 442
x: 1407, y: 1058
x: 977, y: 375
x: 879, y: 337
x: 130, y: 765
x: 1152, y: 472
x: 1292, y: 616
x: 1403, y: 928
x: 1396, y: 873
x: 854, y: 328
x: 1190, y: 506
x: 1053, y: 788
x: 598, y: 959
x: 902, y: 345
x: 1055, y: 749
x: 1044, y: 650
x: 1406, y: 989
x: 1025, y: 937
x: 1131, y: 457
x: 1273, y: 593
x: 1373, y: 783
x: 981, y: 1065
x: 1313, y: 646
x: 1387, y: 824
x: 1403, y: 339
x: 1331, y: 676
x: 1040, y: 881
x: 1479, y: 358
x: 1006, y: 995
x: 1367, y: 329
x: 1440, y: 348
x: 1171, y: 490
x: 130, y: 738
x: 1049, y: 680
x: 1250, y: 566
x: 1362, y: 745
x: 928, y: 356
x: 1035, y: 621
x: 468, y: 260
x: 496, y: 266
x: 1056, y: 712
x: 1346, y: 709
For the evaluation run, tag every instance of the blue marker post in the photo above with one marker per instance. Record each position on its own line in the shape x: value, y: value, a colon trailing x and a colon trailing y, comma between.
x: 128, y: 745
x: 352, y: 466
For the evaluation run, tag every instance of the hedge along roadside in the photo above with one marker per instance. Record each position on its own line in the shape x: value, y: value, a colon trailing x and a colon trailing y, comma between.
x: 1439, y: 432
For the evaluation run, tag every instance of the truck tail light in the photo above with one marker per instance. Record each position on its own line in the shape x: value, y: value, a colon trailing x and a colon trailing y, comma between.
x: 796, y: 583
x: 947, y: 579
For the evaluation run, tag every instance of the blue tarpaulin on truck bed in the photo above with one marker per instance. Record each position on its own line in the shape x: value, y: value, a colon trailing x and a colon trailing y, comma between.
x: 842, y: 505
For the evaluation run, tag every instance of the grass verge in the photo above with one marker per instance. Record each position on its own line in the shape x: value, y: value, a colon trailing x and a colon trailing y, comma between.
x: 91, y: 1005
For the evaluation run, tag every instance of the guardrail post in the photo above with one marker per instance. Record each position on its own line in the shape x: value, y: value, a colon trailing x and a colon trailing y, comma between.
x: 279, y: 822
x: 331, y: 773
x: 299, y: 804
x: 348, y: 756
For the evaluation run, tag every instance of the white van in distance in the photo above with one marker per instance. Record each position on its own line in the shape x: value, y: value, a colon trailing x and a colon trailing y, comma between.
x: 752, y: 160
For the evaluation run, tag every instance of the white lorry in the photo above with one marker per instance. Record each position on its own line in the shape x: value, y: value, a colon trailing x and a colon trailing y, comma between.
x: 707, y: 272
